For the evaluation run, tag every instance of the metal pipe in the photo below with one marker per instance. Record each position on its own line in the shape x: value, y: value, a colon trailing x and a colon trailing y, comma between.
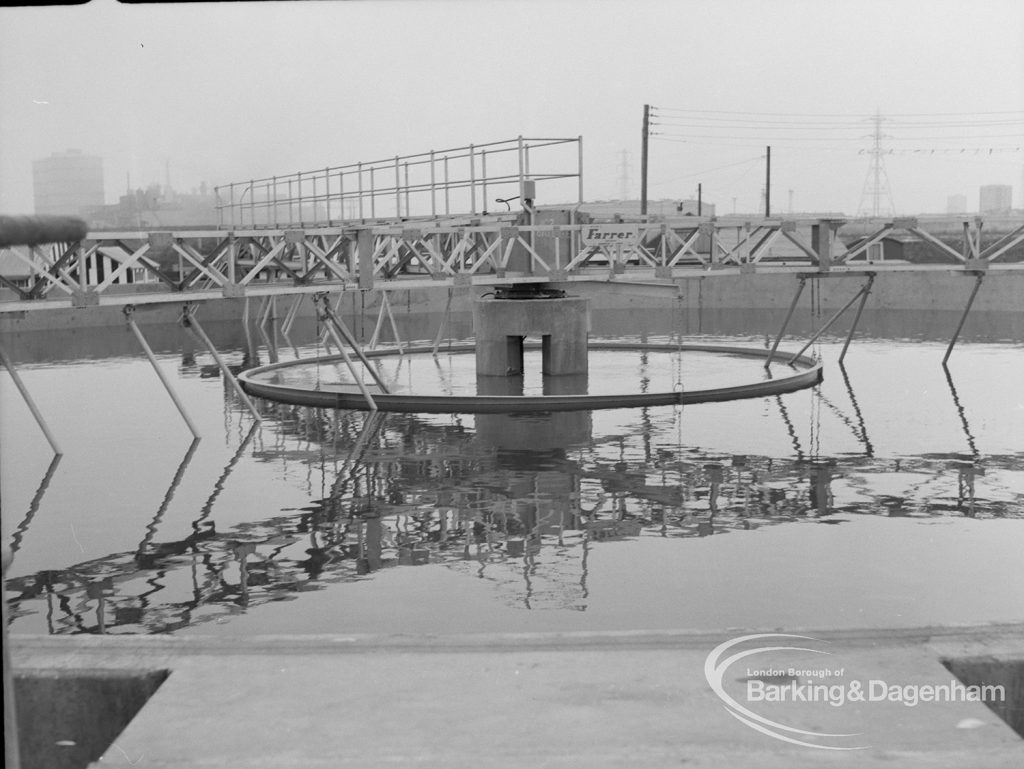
x: 159, y: 372
x: 433, y: 186
x: 36, y: 413
x: 348, y: 362
x: 444, y: 324
x: 472, y: 182
x: 348, y: 336
x: 192, y: 324
x: 359, y: 179
x: 785, y: 323
x: 974, y: 292
x: 327, y: 194
x: 579, y: 168
x: 380, y: 320
x: 827, y: 325
x: 856, y: 319
x: 398, y: 191
x: 519, y: 157
x: 483, y: 177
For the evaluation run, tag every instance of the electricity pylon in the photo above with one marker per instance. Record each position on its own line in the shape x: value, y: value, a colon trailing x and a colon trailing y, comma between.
x: 876, y: 198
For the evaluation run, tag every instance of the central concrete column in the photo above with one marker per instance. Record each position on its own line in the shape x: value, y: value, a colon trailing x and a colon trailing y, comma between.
x: 502, y: 326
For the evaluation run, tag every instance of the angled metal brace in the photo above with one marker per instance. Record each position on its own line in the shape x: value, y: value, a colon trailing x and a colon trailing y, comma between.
x: 347, y: 335
x: 385, y: 307
x: 443, y: 325
x: 959, y: 326
x: 36, y: 413
x: 861, y: 294
x: 785, y: 323
x: 192, y: 325
x: 129, y: 314
x: 860, y: 308
x: 351, y: 367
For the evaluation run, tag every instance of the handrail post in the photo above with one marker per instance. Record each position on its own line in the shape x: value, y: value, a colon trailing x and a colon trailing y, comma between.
x: 398, y: 191
x: 433, y: 186
x: 472, y: 182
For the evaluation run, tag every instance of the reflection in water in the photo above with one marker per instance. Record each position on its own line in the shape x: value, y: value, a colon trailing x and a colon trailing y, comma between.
x: 520, y: 502
x: 33, y: 508
x: 523, y: 502
x: 960, y: 411
x: 869, y: 450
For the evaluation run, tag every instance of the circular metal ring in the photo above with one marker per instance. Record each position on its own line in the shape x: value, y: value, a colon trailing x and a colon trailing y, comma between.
x: 808, y: 372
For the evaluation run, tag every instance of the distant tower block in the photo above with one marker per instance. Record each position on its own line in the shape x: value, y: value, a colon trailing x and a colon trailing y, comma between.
x: 502, y: 325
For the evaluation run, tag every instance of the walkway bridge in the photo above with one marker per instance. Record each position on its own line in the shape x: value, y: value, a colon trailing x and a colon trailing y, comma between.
x: 428, y: 220
x: 537, y: 245
x: 343, y: 229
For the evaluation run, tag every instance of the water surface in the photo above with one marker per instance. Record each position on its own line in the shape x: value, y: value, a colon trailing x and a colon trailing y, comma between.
x: 890, y: 496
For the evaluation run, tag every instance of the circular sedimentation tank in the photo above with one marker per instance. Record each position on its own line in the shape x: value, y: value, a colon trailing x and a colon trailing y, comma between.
x: 272, y: 382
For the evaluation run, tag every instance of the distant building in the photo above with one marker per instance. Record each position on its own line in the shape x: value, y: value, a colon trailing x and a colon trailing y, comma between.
x: 155, y: 207
x: 956, y: 204
x: 665, y: 207
x: 67, y: 183
x: 995, y: 199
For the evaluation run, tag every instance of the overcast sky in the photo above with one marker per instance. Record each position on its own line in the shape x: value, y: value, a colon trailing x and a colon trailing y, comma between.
x: 222, y: 92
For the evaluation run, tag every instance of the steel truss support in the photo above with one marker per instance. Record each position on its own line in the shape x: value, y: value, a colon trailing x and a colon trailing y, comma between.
x: 339, y: 331
x: 959, y: 326
x: 444, y: 323
x: 129, y: 314
x: 192, y: 325
x: 36, y: 413
x: 385, y: 307
x: 785, y: 323
x: 856, y: 318
x: 862, y: 294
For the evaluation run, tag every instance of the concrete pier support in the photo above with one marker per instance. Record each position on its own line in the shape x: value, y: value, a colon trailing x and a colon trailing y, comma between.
x: 502, y: 325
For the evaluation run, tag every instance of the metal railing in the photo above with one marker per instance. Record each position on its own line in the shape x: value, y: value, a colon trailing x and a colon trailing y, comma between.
x: 448, y: 182
x: 192, y: 264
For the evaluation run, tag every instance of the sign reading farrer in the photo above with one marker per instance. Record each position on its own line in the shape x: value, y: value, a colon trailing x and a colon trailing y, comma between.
x: 611, y: 235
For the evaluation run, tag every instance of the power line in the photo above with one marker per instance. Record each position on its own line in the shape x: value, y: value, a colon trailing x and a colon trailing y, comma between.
x: 836, y: 114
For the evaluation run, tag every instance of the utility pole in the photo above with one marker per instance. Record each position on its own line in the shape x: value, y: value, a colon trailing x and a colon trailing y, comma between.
x: 768, y: 183
x: 700, y: 207
x: 643, y: 159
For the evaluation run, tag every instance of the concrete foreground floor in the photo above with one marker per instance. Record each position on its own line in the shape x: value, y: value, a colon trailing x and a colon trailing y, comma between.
x: 538, y: 700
